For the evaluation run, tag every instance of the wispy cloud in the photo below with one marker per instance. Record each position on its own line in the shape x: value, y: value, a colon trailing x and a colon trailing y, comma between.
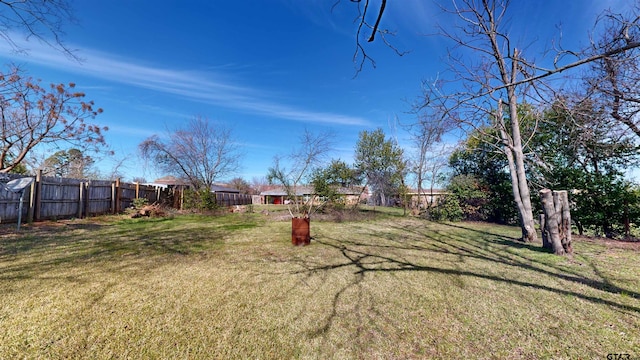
x: 164, y: 112
x: 131, y: 130
x: 206, y: 87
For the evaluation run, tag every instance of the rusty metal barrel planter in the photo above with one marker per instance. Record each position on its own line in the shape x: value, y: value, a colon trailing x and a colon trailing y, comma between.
x: 300, y: 231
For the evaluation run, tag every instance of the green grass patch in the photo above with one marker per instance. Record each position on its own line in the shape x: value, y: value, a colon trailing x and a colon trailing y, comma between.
x: 232, y: 286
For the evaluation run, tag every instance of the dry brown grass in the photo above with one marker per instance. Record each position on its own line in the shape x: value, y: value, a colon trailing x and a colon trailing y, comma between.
x: 233, y: 287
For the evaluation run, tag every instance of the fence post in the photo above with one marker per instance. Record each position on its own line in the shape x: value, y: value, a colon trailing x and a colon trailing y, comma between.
x: 32, y: 201
x: 113, y: 197
x: 137, y: 189
x: 80, y: 199
x: 118, y: 193
x: 87, y: 202
x: 38, y: 204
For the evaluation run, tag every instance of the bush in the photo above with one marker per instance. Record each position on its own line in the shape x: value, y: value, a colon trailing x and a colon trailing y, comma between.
x: 200, y: 200
x: 447, y: 209
x: 332, y: 206
x: 603, y: 204
x: 470, y: 197
x: 136, y: 206
x: 139, y: 203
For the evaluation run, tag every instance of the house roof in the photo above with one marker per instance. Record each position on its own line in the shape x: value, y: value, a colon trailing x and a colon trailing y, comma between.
x: 308, y: 190
x: 170, y: 180
x: 280, y: 191
x: 224, y: 189
x: 427, y: 191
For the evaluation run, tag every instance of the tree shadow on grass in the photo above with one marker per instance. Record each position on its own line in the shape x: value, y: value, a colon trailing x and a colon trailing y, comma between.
x: 500, y: 238
x: 520, y: 259
x: 116, y: 246
x: 530, y: 263
x: 389, y: 256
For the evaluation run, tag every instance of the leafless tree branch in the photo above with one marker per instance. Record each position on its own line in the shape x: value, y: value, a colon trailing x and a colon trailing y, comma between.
x: 200, y: 151
x: 41, y: 19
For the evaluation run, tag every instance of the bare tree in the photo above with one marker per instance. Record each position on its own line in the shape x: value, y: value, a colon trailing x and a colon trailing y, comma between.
x: 432, y: 172
x: 259, y: 184
x: 241, y: 184
x: 117, y: 169
x: 312, y: 152
x: 430, y: 157
x: 614, y: 80
x: 40, y: 19
x: 486, y: 89
x: 200, y: 152
x: 31, y: 115
x: 487, y: 82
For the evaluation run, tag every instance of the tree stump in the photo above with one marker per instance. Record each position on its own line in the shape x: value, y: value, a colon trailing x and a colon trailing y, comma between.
x: 555, y: 222
x: 300, y: 231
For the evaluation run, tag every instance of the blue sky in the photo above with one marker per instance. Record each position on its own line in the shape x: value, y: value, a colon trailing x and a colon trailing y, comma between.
x: 267, y: 69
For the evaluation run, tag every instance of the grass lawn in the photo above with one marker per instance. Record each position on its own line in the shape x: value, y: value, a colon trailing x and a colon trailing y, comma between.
x: 383, y: 287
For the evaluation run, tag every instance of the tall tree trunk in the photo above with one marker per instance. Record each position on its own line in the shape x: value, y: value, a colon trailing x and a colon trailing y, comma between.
x: 514, y: 175
x: 528, y: 225
x: 509, y: 77
x: 512, y: 147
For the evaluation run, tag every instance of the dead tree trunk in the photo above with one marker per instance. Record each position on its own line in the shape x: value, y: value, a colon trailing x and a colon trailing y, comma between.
x: 566, y: 222
x: 543, y: 228
x: 556, y: 221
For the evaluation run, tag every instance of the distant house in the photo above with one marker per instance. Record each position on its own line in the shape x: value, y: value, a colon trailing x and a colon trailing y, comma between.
x: 175, y: 185
x: 170, y: 182
x: 278, y: 195
x: 425, y: 198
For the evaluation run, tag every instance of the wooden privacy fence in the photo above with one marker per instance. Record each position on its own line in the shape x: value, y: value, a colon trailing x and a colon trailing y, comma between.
x: 229, y: 199
x: 60, y: 198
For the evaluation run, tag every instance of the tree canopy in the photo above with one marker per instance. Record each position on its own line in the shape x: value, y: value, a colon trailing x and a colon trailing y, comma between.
x: 381, y: 163
x: 32, y: 115
x: 70, y: 163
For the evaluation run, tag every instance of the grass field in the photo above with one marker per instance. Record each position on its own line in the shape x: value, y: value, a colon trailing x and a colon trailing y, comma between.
x: 382, y: 287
